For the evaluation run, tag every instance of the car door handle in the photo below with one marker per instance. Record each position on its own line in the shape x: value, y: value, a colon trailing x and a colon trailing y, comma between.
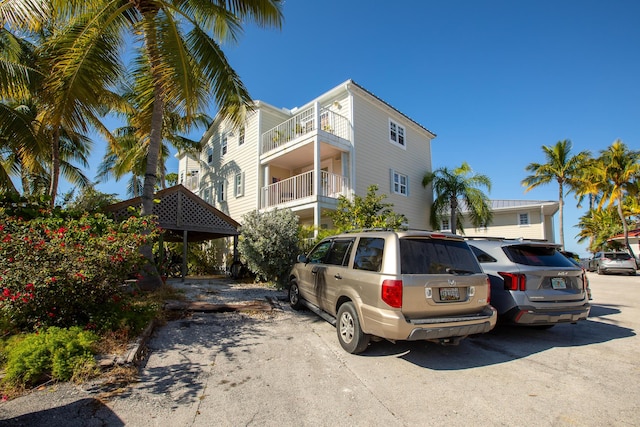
x: 337, y: 276
x: 314, y: 270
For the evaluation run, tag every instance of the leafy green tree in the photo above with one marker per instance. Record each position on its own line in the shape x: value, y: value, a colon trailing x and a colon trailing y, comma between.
x: 560, y: 167
x: 366, y: 212
x: 88, y: 200
x: 451, y: 187
x: 622, y: 174
x: 269, y: 243
x: 597, y: 226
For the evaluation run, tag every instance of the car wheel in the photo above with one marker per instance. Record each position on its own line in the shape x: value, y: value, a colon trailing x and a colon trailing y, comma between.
x: 294, y: 295
x: 599, y: 270
x: 350, y: 335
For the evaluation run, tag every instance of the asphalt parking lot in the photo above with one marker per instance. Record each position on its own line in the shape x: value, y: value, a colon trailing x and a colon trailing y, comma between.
x: 287, y: 368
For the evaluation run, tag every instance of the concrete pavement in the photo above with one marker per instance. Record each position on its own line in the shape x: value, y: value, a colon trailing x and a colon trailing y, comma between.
x: 287, y: 368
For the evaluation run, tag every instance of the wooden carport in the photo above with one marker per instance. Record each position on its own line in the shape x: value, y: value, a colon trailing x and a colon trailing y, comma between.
x: 184, y: 217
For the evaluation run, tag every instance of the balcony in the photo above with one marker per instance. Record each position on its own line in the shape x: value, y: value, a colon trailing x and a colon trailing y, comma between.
x: 308, y: 121
x: 299, y: 189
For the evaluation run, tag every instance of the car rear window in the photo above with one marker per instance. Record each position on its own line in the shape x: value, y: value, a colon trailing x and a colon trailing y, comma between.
x: 436, y: 256
x: 536, y: 255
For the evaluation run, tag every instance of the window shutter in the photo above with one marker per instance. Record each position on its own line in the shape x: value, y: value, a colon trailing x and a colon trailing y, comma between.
x: 392, y: 186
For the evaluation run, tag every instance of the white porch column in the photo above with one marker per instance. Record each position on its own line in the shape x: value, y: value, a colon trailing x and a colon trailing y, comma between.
x: 316, y: 174
x: 264, y: 195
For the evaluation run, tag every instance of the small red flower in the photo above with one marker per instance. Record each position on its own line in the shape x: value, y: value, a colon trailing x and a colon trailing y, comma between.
x: 29, y: 286
x: 6, y: 292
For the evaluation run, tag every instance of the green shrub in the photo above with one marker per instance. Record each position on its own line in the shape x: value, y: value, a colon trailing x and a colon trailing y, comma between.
x: 56, y: 271
x: 269, y: 243
x: 53, y: 353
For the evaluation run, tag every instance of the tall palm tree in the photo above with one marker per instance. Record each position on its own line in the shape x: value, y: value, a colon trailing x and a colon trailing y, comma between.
x: 179, y: 42
x: 622, y: 174
x: 560, y: 167
x: 451, y: 186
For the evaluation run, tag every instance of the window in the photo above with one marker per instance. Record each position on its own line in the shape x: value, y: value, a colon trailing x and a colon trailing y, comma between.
x: 222, y: 191
x: 339, y: 253
x: 241, y: 137
x: 318, y: 253
x: 206, y: 195
x: 223, y: 145
x: 396, y: 133
x: 523, y: 219
x: 181, y: 177
x: 210, y: 155
x: 435, y: 256
x: 239, y: 184
x: 369, y: 254
x: 399, y: 183
x: 445, y: 225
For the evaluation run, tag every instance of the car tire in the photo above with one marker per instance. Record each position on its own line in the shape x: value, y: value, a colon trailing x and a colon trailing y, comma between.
x: 350, y: 334
x: 599, y: 270
x: 294, y: 295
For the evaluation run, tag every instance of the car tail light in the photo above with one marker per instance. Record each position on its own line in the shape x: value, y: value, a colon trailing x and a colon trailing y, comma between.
x: 584, y: 280
x: 392, y: 293
x: 488, y: 291
x: 514, y: 281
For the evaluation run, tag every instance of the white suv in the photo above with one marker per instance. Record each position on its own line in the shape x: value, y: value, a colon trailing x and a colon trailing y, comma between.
x: 405, y: 285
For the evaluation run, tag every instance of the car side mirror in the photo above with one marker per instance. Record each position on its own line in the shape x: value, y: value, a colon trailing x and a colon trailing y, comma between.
x: 303, y: 259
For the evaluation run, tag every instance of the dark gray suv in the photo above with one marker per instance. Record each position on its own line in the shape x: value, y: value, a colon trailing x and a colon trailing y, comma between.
x: 532, y: 283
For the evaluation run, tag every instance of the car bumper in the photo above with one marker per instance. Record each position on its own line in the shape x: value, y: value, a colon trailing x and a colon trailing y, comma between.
x: 618, y: 270
x: 536, y: 316
x: 392, y: 325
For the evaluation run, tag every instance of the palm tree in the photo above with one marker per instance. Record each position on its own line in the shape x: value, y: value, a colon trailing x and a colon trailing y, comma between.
x: 560, y: 167
x: 622, y: 173
x: 177, y: 41
x: 451, y: 186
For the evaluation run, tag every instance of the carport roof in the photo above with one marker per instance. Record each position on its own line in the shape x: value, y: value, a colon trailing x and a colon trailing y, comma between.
x: 179, y: 210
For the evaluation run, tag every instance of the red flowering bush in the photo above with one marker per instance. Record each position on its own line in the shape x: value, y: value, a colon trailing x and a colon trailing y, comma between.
x: 56, y: 271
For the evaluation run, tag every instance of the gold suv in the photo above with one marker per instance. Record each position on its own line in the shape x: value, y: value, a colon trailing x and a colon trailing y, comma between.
x: 397, y: 285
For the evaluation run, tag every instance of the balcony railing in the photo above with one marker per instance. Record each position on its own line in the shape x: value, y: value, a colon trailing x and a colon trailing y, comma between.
x: 304, y: 123
x: 301, y: 186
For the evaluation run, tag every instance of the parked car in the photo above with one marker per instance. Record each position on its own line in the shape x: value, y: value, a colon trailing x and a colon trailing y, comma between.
x: 405, y: 285
x: 575, y: 259
x: 532, y: 283
x: 613, y: 262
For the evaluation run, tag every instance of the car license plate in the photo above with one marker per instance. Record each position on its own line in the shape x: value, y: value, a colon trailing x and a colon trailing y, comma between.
x: 449, y: 294
x: 558, y: 283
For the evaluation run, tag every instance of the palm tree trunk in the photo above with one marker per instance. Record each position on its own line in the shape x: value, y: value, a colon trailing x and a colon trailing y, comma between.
x: 561, y: 213
x: 151, y: 278
x: 625, y: 228
x: 454, y: 211
x: 55, y: 166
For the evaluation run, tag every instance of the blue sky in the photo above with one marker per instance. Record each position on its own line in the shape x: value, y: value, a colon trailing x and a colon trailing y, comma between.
x: 495, y: 80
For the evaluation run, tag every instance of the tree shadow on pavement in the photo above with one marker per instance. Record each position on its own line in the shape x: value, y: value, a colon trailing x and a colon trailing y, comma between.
x: 182, y: 352
x: 80, y: 413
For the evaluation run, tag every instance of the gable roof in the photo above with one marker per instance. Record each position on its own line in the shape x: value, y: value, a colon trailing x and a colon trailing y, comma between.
x: 180, y: 210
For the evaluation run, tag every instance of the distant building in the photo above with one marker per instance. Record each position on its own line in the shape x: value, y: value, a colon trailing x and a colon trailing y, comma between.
x: 528, y: 219
x: 634, y: 240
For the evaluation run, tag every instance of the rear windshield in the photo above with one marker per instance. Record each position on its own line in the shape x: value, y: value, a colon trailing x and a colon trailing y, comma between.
x: 621, y: 256
x: 537, y: 255
x: 434, y: 256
